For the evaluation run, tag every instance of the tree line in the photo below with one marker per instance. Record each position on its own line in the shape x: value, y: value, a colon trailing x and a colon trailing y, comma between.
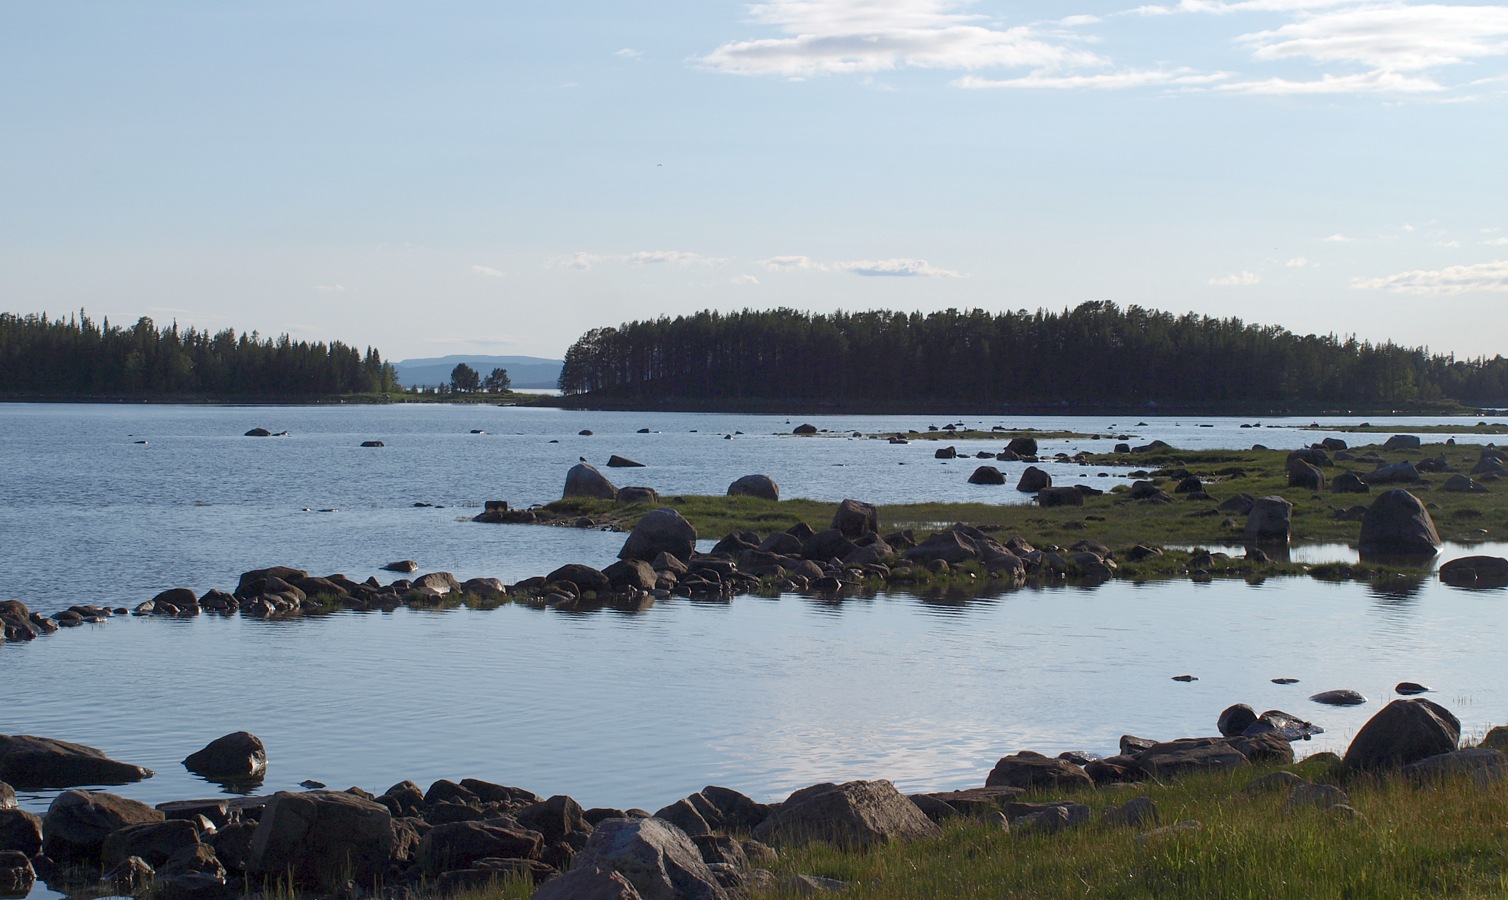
x: 1094, y: 353
x: 75, y: 357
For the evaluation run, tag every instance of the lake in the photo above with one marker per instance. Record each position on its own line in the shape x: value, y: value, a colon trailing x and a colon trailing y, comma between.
x: 618, y: 709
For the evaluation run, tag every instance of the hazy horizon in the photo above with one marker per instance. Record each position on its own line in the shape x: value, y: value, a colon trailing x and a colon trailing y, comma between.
x: 475, y: 178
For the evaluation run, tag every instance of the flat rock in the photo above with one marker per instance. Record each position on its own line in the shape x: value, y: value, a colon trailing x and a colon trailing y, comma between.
x: 37, y: 763
x: 1340, y: 697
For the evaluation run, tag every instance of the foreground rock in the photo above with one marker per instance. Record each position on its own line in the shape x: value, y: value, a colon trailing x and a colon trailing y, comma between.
x: 322, y: 838
x: 78, y: 822
x: 852, y: 815
x: 1397, y: 524
x: 661, y: 530
x: 656, y: 857
x: 1403, y: 732
x: 38, y: 763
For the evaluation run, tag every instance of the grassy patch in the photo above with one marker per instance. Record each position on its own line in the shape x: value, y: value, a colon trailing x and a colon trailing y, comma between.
x: 1408, y: 841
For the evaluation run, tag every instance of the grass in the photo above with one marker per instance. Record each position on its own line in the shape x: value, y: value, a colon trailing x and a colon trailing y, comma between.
x: 1409, y: 840
x: 1114, y: 519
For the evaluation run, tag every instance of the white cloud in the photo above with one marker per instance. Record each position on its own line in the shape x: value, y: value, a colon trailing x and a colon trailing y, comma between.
x: 1298, y: 262
x: 678, y: 257
x: 1338, y: 238
x: 330, y: 288
x: 743, y: 279
x: 1390, y: 37
x: 581, y: 261
x: 792, y: 264
x: 1492, y: 276
x: 1239, y: 279
x: 898, y: 267
x: 488, y: 271
x: 628, y: 53
x: 1377, y: 82
x: 1116, y: 80
x: 1497, y: 242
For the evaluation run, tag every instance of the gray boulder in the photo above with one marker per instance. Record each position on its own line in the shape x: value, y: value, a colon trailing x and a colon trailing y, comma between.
x: 1306, y: 476
x: 987, y: 475
x: 1397, y: 524
x: 583, y: 480
x: 1396, y: 473
x: 235, y: 756
x: 1022, y: 446
x: 1349, y: 483
x: 855, y: 518
x: 1402, y: 442
x: 1403, y: 732
x: 1033, y: 480
x: 78, y: 822
x: 1339, y: 697
x: 1270, y: 520
x: 853, y: 814
x: 656, y: 857
x: 1475, y: 571
x: 1462, y: 484
x: 323, y: 839
x: 622, y: 462
x: 1173, y: 758
x: 37, y: 763
x: 761, y: 486
x: 661, y: 530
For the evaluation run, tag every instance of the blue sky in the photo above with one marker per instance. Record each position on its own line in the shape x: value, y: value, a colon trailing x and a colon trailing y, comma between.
x: 498, y: 177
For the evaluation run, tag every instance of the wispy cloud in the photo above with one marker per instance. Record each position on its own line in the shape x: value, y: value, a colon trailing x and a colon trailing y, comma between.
x: 1124, y: 79
x: 628, y: 53
x: 330, y: 288
x: 743, y: 279
x: 1240, y: 279
x: 1298, y: 262
x: 897, y: 267
x: 1497, y: 242
x: 1491, y: 276
x: 489, y: 271
x: 676, y: 257
x: 581, y: 261
x: 1338, y: 238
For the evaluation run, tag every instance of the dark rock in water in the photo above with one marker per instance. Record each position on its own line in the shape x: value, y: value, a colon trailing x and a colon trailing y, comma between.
x: 583, y: 480
x: 987, y: 475
x: 619, y: 462
x: 235, y: 756
x: 1290, y: 727
x: 1340, y: 697
x: 661, y: 530
x: 1022, y: 446
x: 585, y: 432
x: 1185, y: 677
x: 258, y: 432
x: 806, y: 428
x: 1236, y: 719
x: 37, y: 763
x: 855, y: 518
x: 1285, y: 681
x: 323, y: 839
x: 20, y: 831
x: 1409, y: 688
x: 373, y: 444
x: 1475, y: 571
x: 945, y: 453
x: 1397, y: 524
x: 402, y: 565
x: 855, y: 814
x: 631, y: 573
x: 78, y: 822
x: 1033, y: 480
x: 17, y: 877
x: 154, y: 842
x: 761, y: 486
x: 1404, y: 731
x: 585, y: 578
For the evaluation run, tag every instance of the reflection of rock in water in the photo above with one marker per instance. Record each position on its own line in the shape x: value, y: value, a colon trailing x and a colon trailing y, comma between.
x: 1397, y: 587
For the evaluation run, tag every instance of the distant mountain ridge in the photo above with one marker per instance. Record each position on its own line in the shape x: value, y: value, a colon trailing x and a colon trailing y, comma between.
x: 523, y: 371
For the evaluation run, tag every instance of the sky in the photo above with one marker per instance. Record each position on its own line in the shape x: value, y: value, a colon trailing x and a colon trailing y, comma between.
x: 499, y: 177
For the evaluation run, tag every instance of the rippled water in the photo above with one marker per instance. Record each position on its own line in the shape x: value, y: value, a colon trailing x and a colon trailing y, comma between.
x: 622, y: 709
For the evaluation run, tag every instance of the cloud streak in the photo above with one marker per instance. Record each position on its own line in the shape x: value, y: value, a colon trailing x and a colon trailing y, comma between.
x: 884, y: 268
x: 1491, y: 277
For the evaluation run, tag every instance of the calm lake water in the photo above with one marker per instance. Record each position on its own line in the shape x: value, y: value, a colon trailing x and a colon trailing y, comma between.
x: 617, y: 709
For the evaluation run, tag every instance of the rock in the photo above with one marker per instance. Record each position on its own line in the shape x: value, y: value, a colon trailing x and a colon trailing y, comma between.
x: 258, y: 432
x: 1396, y: 473
x: 1236, y: 719
x: 853, y: 814
x: 855, y: 518
x: 1462, y: 484
x: 1475, y: 571
x: 637, y: 494
x: 1270, y: 520
x: 459, y: 845
x: 761, y: 486
x: 234, y: 756
x: 945, y: 453
x: 619, y: 462
x: 154, y: 842
x: 1340, y: 697
x: 20, y: 831
x: 323, y: 839
x: 1173, y: 758
x: 554, y: 818
x: 1060, y: 496
x: 1404, y: 731
x: 17, y: 877
x: 1456, y: 762
x: 1323, y: 796
x: 1240, y: 504
x: 1349, y: 483
x: 1273, y: 782
x: 1305, y: 476
x: 583, y: 480
x: 1033, y: 480
x: 1409, y: 688
x: 1275, y: 721
x: 1022, y: 446
x: 1397, y: 524
x: 1401, y: 442
x: 947, y: 546
x: 78, y: 822
x: 987, y: 475
x: 1029, y: 770
x: 373, y: 444
x: 38, y: 763
x: 661, y: 530
x: 657, y: 858
x: 591, y: 883
x: 1139, y: 811
x: 631, y: 573
x: 806, y: 428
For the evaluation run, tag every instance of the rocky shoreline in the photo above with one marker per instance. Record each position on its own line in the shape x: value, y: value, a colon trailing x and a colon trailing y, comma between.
x: 454, y: 837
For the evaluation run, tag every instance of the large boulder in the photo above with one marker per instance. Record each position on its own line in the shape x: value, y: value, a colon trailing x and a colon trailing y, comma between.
x: 155, y: 842
x: 661, y: 530
x: 948, y: 546
x: 38, y: 763
x: 1349, y: 483
x: 1173, y: 758
x: 1270, y: 520
x: 1033, y: 480
x: 855, y: 518
x: 236, y: 756
x: 1397, y: 524
x: 1304, y: 475
x: 78, y: 822
x: 593, y: 883
x: 458, y: 845
x: 656, y: 857
x: 1475, y: 571
x: 987, y: 475
x: 761, y: 486
x: 583, y: 480
x: 1402, y: 732
x: 1060, y: 496
x: 1022, y: 446
x: 1030, y: 770
x: 853, y: 814
x: 1235, y: 720
x: 322, y: 838
x: 1402, y: 442
x: 20, y: 831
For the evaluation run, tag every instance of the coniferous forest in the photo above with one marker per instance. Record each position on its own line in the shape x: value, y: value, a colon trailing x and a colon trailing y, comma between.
x: 75, y: 358
x: 1094, y: 354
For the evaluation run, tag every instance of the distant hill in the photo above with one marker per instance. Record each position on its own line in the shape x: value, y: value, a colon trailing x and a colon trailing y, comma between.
x: 524, y: 371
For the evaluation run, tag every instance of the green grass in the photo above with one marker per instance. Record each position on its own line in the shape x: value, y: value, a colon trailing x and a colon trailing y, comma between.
x: 1444, y: 838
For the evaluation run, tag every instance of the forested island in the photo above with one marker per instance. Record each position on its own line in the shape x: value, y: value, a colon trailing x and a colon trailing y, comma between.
x: 1096, y: 355
x: 75, y: 359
